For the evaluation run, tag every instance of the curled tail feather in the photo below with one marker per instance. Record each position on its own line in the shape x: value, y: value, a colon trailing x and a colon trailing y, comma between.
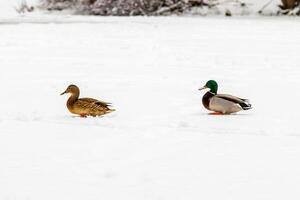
x: 245, y: 105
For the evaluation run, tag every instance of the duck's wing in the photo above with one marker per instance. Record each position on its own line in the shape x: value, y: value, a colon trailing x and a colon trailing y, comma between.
x: 92, y: 106
x: 229, y: 97
x: 223, y: 105
x: 244, y: 103
x: 96, y: 102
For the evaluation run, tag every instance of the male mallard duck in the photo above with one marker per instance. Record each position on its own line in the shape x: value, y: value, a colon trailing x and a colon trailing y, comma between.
x: 222, y: 103
x: 85, y: 106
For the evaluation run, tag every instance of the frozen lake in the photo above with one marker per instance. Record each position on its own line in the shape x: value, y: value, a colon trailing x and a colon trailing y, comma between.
x: 160, y: 143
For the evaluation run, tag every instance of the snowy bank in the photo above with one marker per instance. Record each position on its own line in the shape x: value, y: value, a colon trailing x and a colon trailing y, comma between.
x: 236, y: 8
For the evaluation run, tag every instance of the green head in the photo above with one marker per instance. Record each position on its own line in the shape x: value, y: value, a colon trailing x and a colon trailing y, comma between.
x: 212, y: 85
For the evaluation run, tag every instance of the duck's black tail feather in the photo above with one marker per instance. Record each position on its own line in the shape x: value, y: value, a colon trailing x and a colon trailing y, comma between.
x: 246, y: 104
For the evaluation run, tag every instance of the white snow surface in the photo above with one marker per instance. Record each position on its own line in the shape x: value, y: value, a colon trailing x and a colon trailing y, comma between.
x: 160, y: 144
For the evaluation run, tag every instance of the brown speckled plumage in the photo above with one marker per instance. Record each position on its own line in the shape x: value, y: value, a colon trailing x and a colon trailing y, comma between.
x: 85, y: 106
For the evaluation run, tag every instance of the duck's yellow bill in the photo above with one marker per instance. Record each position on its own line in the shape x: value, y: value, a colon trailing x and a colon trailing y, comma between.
x: 202, y: 88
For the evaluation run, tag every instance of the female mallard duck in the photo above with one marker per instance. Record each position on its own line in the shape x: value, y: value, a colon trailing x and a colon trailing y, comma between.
x: 222, y: 103
x: 85, y: 106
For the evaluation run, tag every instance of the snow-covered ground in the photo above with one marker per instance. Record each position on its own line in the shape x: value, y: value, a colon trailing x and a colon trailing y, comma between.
x: 160, y: 144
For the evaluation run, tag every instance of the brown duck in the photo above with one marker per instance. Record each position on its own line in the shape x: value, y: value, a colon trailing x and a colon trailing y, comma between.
x: 85, y: 106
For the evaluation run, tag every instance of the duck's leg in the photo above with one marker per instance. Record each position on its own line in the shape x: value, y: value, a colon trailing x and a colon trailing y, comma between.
x: 83, y: 115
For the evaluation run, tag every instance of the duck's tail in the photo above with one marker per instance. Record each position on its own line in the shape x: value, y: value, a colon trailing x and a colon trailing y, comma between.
x: 245, y: 104
x: 111, y: 110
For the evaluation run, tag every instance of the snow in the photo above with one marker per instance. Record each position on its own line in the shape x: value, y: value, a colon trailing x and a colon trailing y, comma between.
x: 160, y: 143
x: 8, y: 7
